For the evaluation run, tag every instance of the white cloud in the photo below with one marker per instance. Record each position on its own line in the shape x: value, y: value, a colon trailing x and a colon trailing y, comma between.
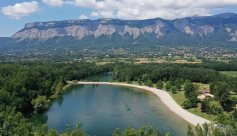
x: 94, y: 14
x: 90, y: 4
x: 69, y: 2
x: 103, y: 13
x: 106, y: 13
x: 21, y: 9
x: 145, y: 9
x: 83, y: 17
x: 54, y: 3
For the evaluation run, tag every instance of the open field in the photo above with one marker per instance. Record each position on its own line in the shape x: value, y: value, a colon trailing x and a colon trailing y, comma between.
x: 151, y: 60
x: 226, y: 61
x: 229, y: 73
x: 164, y: 62
x: 103, y: 63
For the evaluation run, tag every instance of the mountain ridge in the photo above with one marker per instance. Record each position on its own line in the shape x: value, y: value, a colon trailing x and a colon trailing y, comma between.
x: 218, y: 30
x: 81, y: 28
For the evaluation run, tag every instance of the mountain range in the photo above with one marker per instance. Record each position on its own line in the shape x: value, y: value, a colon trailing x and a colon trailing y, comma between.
x: 200, y: 31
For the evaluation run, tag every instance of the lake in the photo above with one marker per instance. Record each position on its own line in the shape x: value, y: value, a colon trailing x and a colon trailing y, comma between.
x: 102, y: 108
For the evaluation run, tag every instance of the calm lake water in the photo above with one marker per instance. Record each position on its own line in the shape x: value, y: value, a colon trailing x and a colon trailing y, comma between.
x: 102, y: 108
x: 103, y: 77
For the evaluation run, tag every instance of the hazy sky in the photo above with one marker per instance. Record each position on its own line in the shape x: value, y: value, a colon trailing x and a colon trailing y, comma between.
x: 14, y: 14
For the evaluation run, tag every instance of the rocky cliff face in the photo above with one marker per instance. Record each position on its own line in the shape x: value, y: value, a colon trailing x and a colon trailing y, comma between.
x: 192, y: 26
x: 82, y: 28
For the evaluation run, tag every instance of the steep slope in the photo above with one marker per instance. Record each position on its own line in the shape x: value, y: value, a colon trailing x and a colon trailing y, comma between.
x: 219, y: 30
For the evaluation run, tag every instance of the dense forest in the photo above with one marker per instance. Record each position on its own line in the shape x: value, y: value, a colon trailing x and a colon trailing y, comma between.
x: 171, y: 72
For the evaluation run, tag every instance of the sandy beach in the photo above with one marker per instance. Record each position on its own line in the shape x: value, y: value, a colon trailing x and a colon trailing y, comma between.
x: 166, y: 99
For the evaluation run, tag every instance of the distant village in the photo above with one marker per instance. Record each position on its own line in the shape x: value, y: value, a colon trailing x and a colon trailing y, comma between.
x: 93, y: 55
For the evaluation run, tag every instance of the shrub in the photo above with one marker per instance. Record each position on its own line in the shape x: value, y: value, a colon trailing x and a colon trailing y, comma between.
x: 187, y: 104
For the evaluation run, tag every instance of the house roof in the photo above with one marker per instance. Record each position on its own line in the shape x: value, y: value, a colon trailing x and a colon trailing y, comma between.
x: 205, y: 96
x: 74, y: 80
x: 204, y: 91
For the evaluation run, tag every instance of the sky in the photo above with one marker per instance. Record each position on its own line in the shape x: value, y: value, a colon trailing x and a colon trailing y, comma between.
x: 14, y: 14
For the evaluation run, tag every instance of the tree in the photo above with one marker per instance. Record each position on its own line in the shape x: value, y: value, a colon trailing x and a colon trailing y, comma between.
x: 224, y: 95
x: 144, y: 77
x: 59, y: 88
x: 149, y: 83
x: 41, y: 130
x: 159, y: 84
x: 198, y: 130
x: 78, y: 131
x: 188, y: 88
x: 13, y: 123
x: 178, y: 84
x: 40, y: 103
x: 190, y: 131
x: 187, y: 104
x: 211, y: 130
x: 110, y: 80
x: 139, y: 82
x: 147, y: 131
x: 196, y: 87
x: 235, y: 113
x: 193, y: 99
x: 128, y: 78
x: 187, y: 81
x: 120, y: 79
x: 143, y: 131
x: 221, y: 118
x: 53, y: 132
x: 116, y: 132
x: 167, y: 86
x: 129, y: 132
x: 93, y: 79
x: 215, y: 107
x: 173, y: 89
x: 165, y: 79
x: 203, y: 106
x: 4, y: 96
x: 181, y: 81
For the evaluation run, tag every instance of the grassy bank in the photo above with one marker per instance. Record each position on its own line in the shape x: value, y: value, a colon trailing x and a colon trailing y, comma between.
x: 229, y: 73
x: 179, y: 99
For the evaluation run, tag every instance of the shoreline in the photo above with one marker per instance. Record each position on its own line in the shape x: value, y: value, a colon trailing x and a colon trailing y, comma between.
x: 166, y: 99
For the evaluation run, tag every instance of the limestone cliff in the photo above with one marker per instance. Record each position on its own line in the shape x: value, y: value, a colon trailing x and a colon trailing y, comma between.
x: 191, y: 26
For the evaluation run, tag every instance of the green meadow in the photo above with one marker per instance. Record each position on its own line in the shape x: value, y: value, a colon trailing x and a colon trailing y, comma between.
x: 229, y: 73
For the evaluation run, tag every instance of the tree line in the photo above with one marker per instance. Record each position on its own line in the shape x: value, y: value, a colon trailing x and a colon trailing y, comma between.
x: 171, y: 72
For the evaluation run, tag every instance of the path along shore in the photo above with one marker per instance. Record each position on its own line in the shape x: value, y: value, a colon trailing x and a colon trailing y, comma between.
x: 166, y: 99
